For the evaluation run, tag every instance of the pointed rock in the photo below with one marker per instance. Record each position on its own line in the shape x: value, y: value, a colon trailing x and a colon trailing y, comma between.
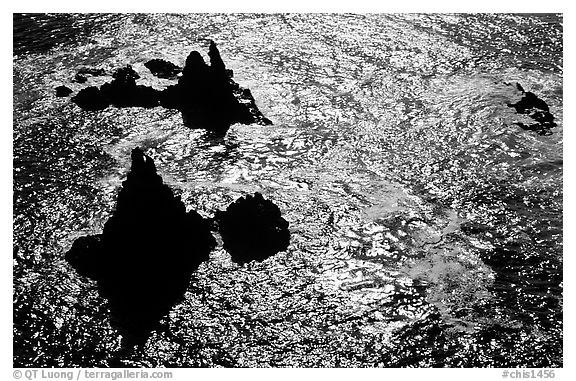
x: 205, y: 94
x: 144, y: 258
x: 216, y: 62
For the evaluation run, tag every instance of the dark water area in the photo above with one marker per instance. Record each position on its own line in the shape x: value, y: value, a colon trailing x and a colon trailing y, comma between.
x: 39, y: 33
x: 425, y: 223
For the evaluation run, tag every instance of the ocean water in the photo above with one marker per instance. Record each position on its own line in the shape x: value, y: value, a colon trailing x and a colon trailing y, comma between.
x: 426, y: 225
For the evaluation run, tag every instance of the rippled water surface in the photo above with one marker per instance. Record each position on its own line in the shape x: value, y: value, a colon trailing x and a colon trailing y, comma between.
x: 426, y: 226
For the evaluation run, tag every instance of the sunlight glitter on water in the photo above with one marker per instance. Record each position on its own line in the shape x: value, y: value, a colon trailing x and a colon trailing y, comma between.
x: 393, y: 155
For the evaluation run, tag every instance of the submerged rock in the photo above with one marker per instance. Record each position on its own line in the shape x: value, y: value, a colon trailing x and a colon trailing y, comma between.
x: 95, y: 72
x: 63, y: 91
x: 252, y: 228
x: 144, y: 258
x: 535, y: 108
x: 205, y: 94
x: 79, y: 78
x: 163, y: 69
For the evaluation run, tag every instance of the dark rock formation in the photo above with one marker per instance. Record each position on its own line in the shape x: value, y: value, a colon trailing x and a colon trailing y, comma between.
x: 124, y: 92
x: 536, y: 109
x: 121, y: 92
x: 252, y: 228
x: 208, y: 97
x: 163, y: 69
x: 91, y: 99
x: 84, y: 256
x: 205, y: 94
x: 63, y: 91
x: 143, y: 260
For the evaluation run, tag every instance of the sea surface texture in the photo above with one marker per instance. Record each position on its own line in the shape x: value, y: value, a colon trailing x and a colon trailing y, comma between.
x: 425, y: 222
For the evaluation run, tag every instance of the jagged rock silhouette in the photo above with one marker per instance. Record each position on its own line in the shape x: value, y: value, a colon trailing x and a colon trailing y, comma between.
x: 144, y: 258
x: 121, y: 92
x: 206, y: 95
x: 124, y: 92
x: 252, y: 228
x: 535, y: 108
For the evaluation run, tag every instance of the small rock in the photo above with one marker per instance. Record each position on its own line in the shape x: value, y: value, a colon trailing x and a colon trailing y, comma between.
x: 535, y: 108
x: 163, y: 69
x: 529, y: 101
x: 79, y: 78
x: 63, y: 91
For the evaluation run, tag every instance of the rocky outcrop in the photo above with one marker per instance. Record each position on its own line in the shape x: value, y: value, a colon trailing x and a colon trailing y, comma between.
x: 63, y: 91
x: 144, y: 258
x: 252, y: 228
x: 121, y: 92
x: 163, y: 69
x: 124, y: 92
x: 535, y: 108
x: 208, y: 97
x: 205, y: 94
x: 91, y: 99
